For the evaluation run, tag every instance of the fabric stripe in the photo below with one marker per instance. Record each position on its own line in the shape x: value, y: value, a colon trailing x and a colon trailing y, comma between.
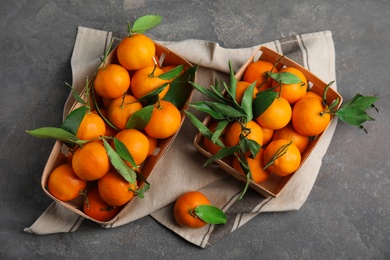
x: 304, y: 52
x: 289, y: 48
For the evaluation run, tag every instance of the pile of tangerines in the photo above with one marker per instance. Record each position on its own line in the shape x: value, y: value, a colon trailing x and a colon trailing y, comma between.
x: 121, y: 89
x: 121, y: 118
x: 266, y: 120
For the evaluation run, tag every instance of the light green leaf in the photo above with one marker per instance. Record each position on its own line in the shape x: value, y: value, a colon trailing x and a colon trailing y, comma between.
x: 53, y: 132
x: 146, y: 22
x: 210, y: 214
x: 285, y: 77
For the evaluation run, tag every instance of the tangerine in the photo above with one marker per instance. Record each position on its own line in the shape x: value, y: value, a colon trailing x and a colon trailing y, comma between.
x: 209, y: 145
x: 277, y: 115
x: 111, y: 81
x: 241, y: 88
x: 267, y: 135
x: 184, y: 209
x: 257, y: 71
x: 97, y: 208
x: 146, y: 80
x: 64, y: 184
x: 115, y: 190
x: 121, y: 109
x: 282, y: 156
x: 251, y: 130
x: 310, y: 116
x: 90, y: 162
x: 165, y: 120
x: 289, y: 133
x: 91, y: 127
x: 292, y: 92
x: 136, y: 143
x: 256, y: 165
x: 136, y: 51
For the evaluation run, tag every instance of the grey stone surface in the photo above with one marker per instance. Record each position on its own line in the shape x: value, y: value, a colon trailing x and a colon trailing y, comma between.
x: 347, y: 213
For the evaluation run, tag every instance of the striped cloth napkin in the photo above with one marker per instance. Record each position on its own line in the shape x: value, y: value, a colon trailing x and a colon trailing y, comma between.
x: 180, y: 169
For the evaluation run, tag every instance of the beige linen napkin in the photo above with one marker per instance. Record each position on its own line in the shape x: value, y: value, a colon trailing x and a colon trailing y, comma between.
x: 181, y: 170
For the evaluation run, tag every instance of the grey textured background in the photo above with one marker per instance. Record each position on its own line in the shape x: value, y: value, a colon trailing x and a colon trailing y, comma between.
x: 347, y: 213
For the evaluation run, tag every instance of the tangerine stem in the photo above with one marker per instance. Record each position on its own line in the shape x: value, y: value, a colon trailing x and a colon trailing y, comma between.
x: 129, y: 28
x: 123, y: 101
x: 151, y: 75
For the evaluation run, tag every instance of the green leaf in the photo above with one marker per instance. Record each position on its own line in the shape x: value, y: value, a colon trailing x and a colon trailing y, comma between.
x: 353, y: 116
x: 152, y: 96
x: 180, y: 88
x: 285, y: 77
x: 142, y: 190
x: 223, y: 109
x: 210, y: 214
x: 53, y: 132
x: 354, y: 111
x: 140, y: 118
x: 203, y: 107
x: 247, y: 101
x: 233, y: 82
x: 119, y: 164
x: 208, y: 93
x: 249, y: 145
x: 173, y: 73
x: 222, y: 153
x: 73, y: 120
x: 145, y: 23
x: 76, y: 95
x: 123, y: 152
x: 361, y: 102
x: 262, y: 101
x: 245, y: 167
x: 218, y: 130
x: 201, y: 127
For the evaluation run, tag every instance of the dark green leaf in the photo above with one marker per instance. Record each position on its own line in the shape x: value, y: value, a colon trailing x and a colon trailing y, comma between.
x: 247, y: 101
x: 53, y: 132
x: 145, y: 23
x: 284, y: 77
x: 180, y: 88
x: 73, y: 120
x: 203, y: 107
x: 76, y: 95
x: 123, y: 152
x: 140, y: 118
x: 173, y: 73
x: 208, y: 93
x: 210, y: 214
x: 353, y: 116
x: 218, y: 130
x: 119, y: 164
x: 233, y: 82
x: 245, y: 167
x: 262, y: 101
x: 227, y: 111
x: 250, y: 145
x: 152, y: 96
x: 361, y: 102
x: 222, y: 153
x: 201, y: 127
